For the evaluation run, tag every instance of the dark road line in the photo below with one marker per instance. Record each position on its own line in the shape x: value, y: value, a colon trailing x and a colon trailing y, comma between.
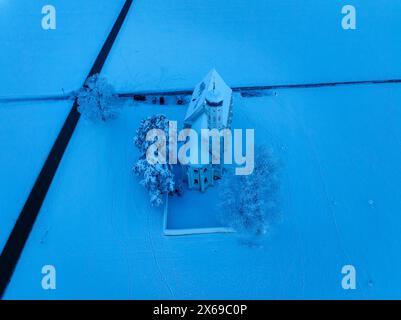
x: 37, y: 98
x: 186, y: 92
x: 315, y: 85
x: 260, y: 88
x: 22, y: 228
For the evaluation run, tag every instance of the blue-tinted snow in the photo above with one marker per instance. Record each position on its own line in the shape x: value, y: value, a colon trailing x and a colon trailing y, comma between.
x: 195, y: 210
x: 173, y: 44
x: 340, y: 205
x: 339, y: 148
x: 38, y: 62
x: 27, y: 133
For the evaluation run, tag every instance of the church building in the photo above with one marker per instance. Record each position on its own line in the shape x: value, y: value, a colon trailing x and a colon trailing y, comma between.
x: 210, y: 108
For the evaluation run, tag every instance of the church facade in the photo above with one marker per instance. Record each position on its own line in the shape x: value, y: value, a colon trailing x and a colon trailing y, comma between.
x: 210, y: 108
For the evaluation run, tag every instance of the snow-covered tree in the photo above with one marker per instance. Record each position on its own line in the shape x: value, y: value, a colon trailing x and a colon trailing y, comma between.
x: 158, y: 121
x: 97, y: 99
x: 247, y: 203
x: 157, y: 178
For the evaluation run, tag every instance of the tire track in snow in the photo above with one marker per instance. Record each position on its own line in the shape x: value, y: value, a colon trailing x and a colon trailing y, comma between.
x: 152, y: 247
x: 116, y: 233
x: 326, y: 193
x: 276, y: 144
x: 297, y: 234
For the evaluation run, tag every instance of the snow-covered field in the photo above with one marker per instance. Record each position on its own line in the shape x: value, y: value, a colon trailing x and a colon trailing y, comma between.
x: 339, y: 146
x: 27, y: 132
x: 340, y: 205
x: 38, y: 62
x: 173, y: 44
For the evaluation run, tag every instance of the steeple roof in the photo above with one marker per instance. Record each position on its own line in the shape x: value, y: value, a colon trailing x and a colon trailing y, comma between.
x: 215, y: 90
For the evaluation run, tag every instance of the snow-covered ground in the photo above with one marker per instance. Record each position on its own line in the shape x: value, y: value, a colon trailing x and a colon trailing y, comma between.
x: 27, y: 132
x: 173, y: 44
x: 195, y: 210
x: 340, y: 205
x: 38, y: 62
x: 339, y: 148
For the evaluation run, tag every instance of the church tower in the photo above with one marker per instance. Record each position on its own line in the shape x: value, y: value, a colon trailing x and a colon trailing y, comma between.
x: 214, y: 107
